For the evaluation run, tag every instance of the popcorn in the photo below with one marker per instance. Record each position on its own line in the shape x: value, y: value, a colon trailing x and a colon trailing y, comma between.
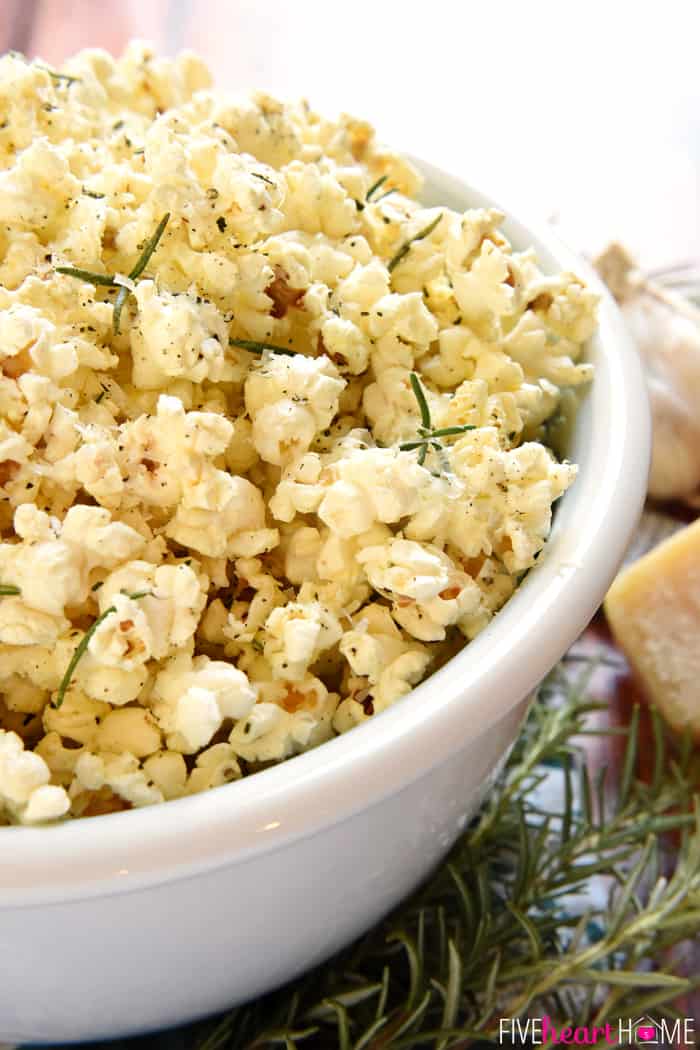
x: 216, y: 766
x: 177, y: 338
x: 129, y: 729
x: 164, y: 617
x: 52, y: 566
x: 168, y: 772
x: 376, y: 650
x: 191, y: 699
x: 25, y: 792
x: 227, y: 516
x: 288, y: 718
x: 401, y: 326
x: 428, y: 591
x: 374, y: 485
x: 509, y: 498
x: 122, y: 774
x: 296, y: 635
x: 289, y: 400
x: 122, y: 639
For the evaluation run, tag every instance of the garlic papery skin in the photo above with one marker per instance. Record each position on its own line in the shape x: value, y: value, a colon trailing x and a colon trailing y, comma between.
x: 666, y: 330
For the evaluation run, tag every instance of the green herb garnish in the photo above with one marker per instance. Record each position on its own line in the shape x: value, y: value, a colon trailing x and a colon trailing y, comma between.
x: 58, y: 77
x: 259, y: 175
x: 429, y: 437
x: 9, y: 588
x: 119, y: 303
x: 375, y: 186
x: 92, y: 193
x: 406, y: 247
x: 149, y: 248
x: 107, y: 280
x: 81, y: 648
x: 255, y: 347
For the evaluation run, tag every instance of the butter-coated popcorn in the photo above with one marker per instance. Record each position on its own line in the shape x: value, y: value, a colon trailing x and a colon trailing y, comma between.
x: 25, y: 791
x: 428, y: 591
x: 271, y: 435
x: 192, y: 698
x: 289, y: 399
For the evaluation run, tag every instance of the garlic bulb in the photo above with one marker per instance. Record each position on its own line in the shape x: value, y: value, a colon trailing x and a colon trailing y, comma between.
x: 666, y: 329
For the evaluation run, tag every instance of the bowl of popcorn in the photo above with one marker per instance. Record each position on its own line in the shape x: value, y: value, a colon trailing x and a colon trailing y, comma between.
x: 284, y: 420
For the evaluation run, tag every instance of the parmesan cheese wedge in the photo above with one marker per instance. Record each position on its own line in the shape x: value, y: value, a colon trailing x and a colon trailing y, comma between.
x: 653, y: 609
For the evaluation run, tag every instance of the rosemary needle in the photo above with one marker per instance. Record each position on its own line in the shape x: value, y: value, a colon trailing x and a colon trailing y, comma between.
x: 9, y: 588
x: 109, y: 280
x: 149, y: 248
x: 375, y: 186
x: 121, y: 298
x: 406, y: 247
x: 255, y: 347
x: 65, y: 77
x: 417, y: 388
x: 449, y: 431
x: 104, y: 279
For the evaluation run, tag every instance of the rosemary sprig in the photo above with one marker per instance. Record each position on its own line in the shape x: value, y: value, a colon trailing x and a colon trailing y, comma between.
x: 429, y: 437
x: 109, y: 280
x: 501, y: 931
x: 9, y: 588
x: 374, y: 187
x: 256, y: 347
x: 81, y: 648
x: 406, y: 246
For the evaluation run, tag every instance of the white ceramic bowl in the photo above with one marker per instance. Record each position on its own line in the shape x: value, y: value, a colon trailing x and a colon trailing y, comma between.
x: 139, y: 920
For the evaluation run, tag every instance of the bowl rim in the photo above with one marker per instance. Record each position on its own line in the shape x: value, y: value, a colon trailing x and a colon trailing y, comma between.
x: 125, y: 852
